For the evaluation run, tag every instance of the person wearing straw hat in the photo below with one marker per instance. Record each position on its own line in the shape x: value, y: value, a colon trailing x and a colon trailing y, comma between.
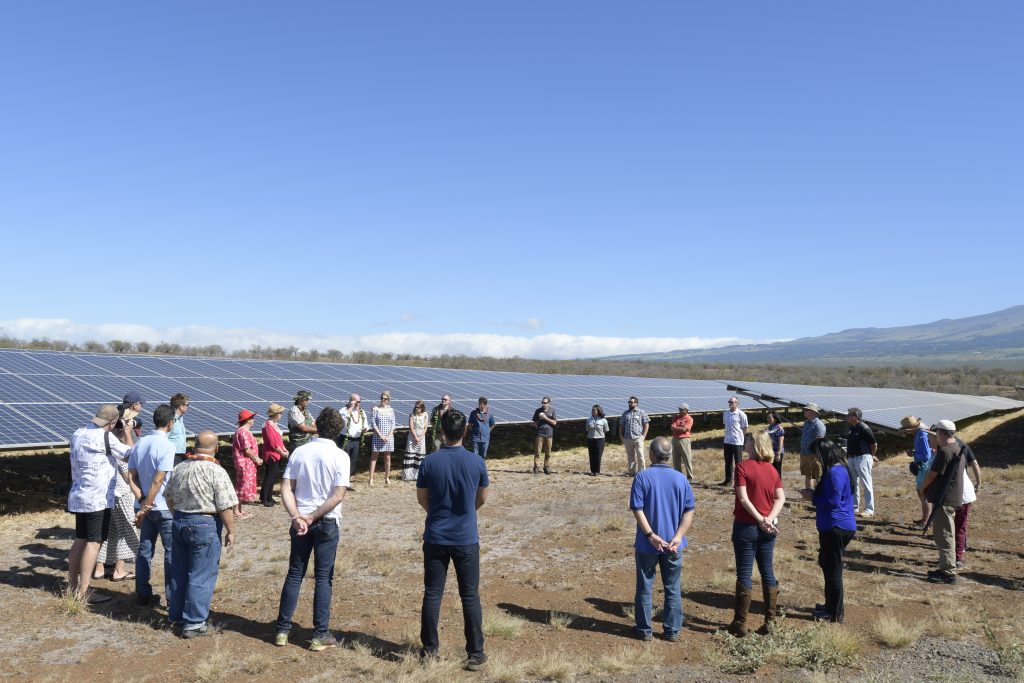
x: 245, y: 455
x: 273, y: 449
x: 813, y: 429
x: 301, y: 427
x: 922, y: 455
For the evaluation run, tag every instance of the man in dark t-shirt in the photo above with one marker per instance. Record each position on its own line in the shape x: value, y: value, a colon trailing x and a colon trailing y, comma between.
x: 943, y: 486
x: 451, y: 486
x: 860, y: 451
x: 545, y: 419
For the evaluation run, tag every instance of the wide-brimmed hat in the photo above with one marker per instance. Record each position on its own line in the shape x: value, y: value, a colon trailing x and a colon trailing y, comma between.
x: 245, y: 416
x: 105, y: 414
x: 910, y: 422
x: 275, y: 409
x: 813, y: 407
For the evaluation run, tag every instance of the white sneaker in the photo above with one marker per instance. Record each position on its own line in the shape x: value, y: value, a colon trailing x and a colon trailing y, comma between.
x: 868, y: 513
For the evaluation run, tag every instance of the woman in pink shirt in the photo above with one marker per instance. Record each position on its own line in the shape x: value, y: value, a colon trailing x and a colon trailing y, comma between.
x: 245, y: 455
x: 273, y: 449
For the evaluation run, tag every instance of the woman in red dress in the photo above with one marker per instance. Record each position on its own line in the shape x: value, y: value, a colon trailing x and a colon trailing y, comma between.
x: 245, y: 454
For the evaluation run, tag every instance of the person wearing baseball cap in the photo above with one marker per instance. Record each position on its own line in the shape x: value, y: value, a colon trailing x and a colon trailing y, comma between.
x: 91, y: 498
x: 301, y: 426
x: 245, y: 454
x: 943, y: 486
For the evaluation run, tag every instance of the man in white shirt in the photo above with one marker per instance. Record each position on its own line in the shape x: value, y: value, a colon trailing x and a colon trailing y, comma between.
x: 315, y: 482
x: 735, y: 421
x: 91, y: 499
x: 356, y: 425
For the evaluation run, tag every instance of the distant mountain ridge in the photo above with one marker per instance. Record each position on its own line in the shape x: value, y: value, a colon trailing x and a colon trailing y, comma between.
x: 992, y: 338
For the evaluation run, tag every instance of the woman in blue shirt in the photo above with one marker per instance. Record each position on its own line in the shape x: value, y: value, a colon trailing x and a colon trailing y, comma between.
x: 833, y: 502
x: 923, y: 455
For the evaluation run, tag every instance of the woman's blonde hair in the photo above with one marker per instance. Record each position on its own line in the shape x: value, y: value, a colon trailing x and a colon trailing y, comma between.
x: 763, y: 450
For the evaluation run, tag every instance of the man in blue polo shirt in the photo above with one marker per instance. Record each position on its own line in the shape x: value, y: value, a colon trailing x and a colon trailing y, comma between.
x: 150, y: 463
x: 451, y: 487
x: 662, y: 503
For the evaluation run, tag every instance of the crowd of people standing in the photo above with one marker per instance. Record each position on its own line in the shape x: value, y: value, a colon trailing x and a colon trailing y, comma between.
x: 129, y: 490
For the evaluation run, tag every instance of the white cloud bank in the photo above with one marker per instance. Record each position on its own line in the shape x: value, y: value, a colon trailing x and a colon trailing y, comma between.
x: 544, y: 346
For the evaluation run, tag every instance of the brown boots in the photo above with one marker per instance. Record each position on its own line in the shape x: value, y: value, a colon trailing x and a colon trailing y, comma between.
x: 771, y: 606
x: 738, y: 627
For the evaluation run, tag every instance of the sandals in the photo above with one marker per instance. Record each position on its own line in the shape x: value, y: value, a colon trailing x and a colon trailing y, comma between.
x: 127, y: 576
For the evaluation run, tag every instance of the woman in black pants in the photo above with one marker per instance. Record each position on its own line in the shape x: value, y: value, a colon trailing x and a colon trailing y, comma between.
x: 597, y: 427
x: 833, y: 502
x: 272, y: 450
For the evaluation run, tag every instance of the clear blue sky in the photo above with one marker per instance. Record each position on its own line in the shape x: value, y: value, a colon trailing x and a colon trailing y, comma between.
x: 744, y: 170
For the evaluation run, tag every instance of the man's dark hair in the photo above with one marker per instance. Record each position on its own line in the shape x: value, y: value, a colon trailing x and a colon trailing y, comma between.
x: 329, y: 423
x: 163, y: 415
x: 178, y: 400
x: 661, y: 449
x: 453, y: 425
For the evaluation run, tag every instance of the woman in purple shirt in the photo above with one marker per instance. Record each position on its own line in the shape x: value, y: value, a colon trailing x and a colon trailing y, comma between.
x: 833, y: 503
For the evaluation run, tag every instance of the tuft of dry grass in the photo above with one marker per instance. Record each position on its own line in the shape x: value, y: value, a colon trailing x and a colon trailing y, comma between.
x: 626, y: 659
x: 553, y: 668
x: 503, y: 669
x: 257, y: 663
x: 502, y: 624
x: 820, y: 647
x: 71, y: 604
x: 894, y: 633
x: 1013, y: 473
x: 211, y: 668
x: 560, y: 620
x: 721, y: 580
x: 950, y: 620
x: 613, y: 523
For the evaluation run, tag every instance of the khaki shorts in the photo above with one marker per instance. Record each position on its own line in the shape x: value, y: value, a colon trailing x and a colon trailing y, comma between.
x: 810, y: 466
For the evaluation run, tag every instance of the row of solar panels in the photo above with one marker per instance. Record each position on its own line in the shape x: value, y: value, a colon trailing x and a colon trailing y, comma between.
x: 882, y: 407
x: 46, y: 395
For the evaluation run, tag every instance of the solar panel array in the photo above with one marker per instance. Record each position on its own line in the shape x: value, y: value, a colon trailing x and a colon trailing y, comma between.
x: 46, y: 395
x: 883, y: 407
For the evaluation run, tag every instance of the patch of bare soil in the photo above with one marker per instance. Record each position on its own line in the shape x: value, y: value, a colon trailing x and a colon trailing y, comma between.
x: 557, y: 586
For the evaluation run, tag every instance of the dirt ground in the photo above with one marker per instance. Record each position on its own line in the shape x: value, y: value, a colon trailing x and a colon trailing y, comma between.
x: 557, y: 583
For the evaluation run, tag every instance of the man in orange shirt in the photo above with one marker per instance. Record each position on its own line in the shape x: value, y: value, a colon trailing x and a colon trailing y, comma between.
x: 682, y: 459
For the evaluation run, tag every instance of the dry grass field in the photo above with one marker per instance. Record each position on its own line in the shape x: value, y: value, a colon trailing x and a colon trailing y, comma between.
x: 557, y: 587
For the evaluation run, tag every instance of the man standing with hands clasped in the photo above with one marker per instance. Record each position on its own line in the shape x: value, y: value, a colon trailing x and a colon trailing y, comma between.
x: 451, y: 486
x: 662, y: 503
x: 315, y: 482
x: 633, y: 426
x: 735, y: 421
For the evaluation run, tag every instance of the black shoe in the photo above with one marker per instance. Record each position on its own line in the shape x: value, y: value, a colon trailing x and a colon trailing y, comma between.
x: 546, y: 470
x: 269, y: 503
x: 724, y: 483
x: 476, y: 662
x: 942, y: 578
x: 151, y: 601
x: 536, y: 470
x: 427, y: 655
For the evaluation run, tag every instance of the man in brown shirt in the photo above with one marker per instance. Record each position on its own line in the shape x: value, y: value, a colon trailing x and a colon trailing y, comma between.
x: 202, y: 497
x: 943, y: 486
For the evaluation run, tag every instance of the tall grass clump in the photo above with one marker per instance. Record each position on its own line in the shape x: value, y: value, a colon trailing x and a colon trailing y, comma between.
x: 894, y: 633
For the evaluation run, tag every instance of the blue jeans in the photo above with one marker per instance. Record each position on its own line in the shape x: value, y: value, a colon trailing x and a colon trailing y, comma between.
x: 322, y: 541
x: 195, y: 559
x: 466, y: 559
x: 671, y: 575
x: 480, y: 448
x: 751, y: 544
x: 155, y: 523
